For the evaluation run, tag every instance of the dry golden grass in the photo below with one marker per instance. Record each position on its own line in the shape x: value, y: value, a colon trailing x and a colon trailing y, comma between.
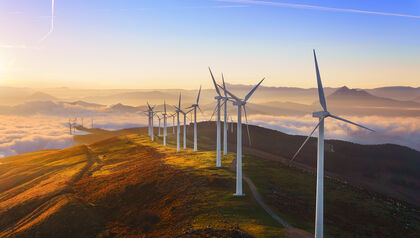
x: 124, y: 186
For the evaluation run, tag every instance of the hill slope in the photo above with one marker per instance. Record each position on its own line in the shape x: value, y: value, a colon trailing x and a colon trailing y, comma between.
x: 389, y: 169
x: 124, y: 187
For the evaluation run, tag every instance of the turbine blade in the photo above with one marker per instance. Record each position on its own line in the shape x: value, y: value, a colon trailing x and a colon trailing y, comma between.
x: 253, y: 90
x: 320, y: 88
x: 214, y: 111
x: 198, y: 97
x: 214, y: 82
x: 247, y: 126
x: 310, y: 135
x: 227, y: 91
x: 342, y: 119
x: 224, y: 85
x: 179, y: 104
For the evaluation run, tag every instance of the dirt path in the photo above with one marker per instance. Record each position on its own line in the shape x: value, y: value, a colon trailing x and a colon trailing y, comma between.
x: 291, y: 231
x: 258, y: 197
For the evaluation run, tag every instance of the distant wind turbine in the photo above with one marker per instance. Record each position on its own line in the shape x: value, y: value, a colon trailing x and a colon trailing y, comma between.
x: 70, y: 125
x: 178, y: 110
x: 151, y: 117
x: 240, y: 104
x: 159, y: 118
x: 164, y: 123
x: 319, y: 210
x: 218, y: 98
x: 194, y: 107
x: 225, y: 123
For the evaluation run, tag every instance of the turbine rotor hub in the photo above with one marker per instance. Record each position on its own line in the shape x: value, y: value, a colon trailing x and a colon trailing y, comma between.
x: 321, y: 114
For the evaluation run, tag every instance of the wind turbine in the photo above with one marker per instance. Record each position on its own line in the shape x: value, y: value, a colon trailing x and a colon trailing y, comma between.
x: 159, y: 118
x: 185, y: 125
x: 240, y: 104
x: 164, y: 122
x: 151, y: 117
x: 149, y: 112
x: 218, y: 98
x: 225, y: 123
x: 178, y: 110
x: 319, y: 210
x: 70, y: 125
x: 195, y: 106
x: 173, y: 122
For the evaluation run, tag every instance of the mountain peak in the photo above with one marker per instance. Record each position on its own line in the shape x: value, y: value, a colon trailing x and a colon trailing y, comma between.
x: 40, y: 96
x: 345, y: 92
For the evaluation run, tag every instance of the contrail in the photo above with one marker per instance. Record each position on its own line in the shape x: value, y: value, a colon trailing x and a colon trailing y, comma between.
x: 52, y: 23
x: 319, y: 8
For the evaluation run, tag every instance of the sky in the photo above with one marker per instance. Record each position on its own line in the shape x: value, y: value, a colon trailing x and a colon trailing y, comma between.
x: 170, y: 44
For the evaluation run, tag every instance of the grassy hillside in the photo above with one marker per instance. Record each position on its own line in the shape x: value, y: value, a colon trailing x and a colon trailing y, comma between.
x: 390, y: 169
x: 125, y: 186
x: 351, y: 210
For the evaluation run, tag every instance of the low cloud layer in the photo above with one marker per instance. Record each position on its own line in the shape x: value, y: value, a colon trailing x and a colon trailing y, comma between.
x: 396, y: 130
x: 25, y: 134
x: 20, y: 134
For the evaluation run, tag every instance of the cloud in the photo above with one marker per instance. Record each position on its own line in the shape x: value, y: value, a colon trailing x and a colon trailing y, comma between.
x: 23, y: 134
x: 396, y: 130
x: 319, y: 8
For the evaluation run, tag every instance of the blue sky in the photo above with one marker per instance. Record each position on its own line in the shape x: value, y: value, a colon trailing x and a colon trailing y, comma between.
x: 169, y: 44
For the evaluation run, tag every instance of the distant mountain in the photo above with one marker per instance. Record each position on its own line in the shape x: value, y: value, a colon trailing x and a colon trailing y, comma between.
x: 346, y: 97
x: 85, y: 104
x: 140, y: 98
x: 124, y: 108
x: 417, y: 99
x: 398, y: 92
x: 40, y: 96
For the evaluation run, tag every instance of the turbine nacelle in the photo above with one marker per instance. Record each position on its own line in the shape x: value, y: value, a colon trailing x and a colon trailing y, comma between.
x: 238, y: 103
x: 321, y: 114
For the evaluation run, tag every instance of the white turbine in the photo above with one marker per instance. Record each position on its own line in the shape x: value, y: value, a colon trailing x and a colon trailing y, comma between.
x: 150, y: 112
x: 218, y: 98
x: 240, y: 104
x: 173, y: 123
x: 194, y: 107
x: 319, y: 210
x: 225, y: 123
x: 159, y: 118
x: 177, y: 119
x: 164, y: 123
x: 151, y: 119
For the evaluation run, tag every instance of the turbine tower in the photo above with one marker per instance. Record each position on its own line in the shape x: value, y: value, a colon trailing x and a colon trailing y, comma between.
x: 240, y: 104
x: 150, y: 112
x: 164, y: 123
x: 173, y: 123
x: 159, y: 118
x: 177, y: 119
x: 70, y: 125
x: 218, y: 98
x: 319, y: 210
x: 225, y: 123
x: 194, y: 107
x: 185, y: 125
